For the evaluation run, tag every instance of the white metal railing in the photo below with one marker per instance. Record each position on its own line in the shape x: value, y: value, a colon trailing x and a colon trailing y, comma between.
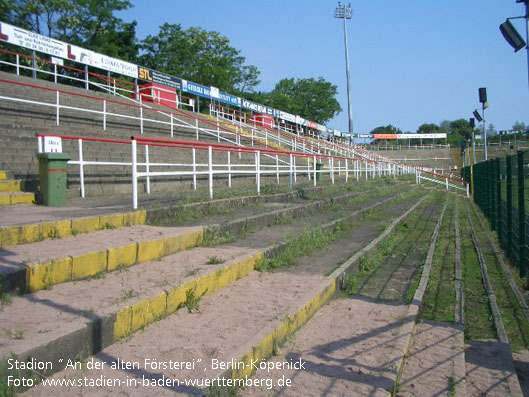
x: 419, y: 176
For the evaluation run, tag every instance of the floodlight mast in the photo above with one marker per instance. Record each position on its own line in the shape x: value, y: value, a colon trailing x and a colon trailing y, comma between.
x: 346, y: 12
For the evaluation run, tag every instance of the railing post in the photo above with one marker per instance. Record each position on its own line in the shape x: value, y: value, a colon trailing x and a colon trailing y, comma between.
x: 18, y: 64
x: 277, y: 169
x: 134, y: 176
x: 290, y: 181
x: 346, y: 171
x: 252, y: 135
x: 295, y: 169
x: 331, y: 166
x: 39, y: 144
x: 86, y: 82
x: 194, y: 159
x: 258, y: 171
x: 218, y: 130
x: 55, y: 73
x: 81, y: 167
x: 196, y: 128
x: 141, y: 116
x: 171, y: 116
x: 308, y: 168
x: 229, y: 169
x: 446, y: 179
x: 104, y: 114
x: 58, y: 106
x: 314, y: 167
x: 210, y: 172
x: 147, y: 169
x: 521, y: 216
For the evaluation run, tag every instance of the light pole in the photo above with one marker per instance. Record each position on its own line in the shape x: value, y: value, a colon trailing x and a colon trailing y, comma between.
x: 513, y: 37
x: 345, y: 12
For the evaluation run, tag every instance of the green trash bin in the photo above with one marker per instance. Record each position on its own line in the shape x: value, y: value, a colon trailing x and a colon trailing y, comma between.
x: 52, y: 172
x: 319, y: 166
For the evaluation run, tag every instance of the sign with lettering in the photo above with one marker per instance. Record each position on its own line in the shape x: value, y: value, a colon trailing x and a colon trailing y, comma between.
x: 52, y: 144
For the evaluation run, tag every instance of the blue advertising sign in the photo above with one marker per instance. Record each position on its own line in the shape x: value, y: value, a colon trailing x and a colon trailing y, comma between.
x: 207, y: 92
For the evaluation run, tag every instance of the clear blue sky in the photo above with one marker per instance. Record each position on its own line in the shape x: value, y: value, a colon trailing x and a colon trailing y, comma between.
x: 412, y: 61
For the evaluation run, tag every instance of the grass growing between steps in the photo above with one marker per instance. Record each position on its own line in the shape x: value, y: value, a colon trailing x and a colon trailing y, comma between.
x: 478, y: 319
x: 440, y: 298
x: 515, y: 324
x: 314, y: 238
x: 392, y: 270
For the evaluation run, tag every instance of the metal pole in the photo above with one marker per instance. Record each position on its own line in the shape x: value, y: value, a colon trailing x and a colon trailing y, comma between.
x: 484, y: 130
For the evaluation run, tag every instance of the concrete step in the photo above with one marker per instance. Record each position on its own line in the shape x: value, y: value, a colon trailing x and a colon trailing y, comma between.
x: 10, y: 186
x: 14, y: 198
x: 3, y: 175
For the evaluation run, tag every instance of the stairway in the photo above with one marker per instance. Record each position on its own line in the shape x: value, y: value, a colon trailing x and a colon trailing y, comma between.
x: 11, y: 191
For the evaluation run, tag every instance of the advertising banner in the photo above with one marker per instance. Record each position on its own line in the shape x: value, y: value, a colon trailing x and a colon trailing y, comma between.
x: 421, y: 136
x: 153, y: 76
x: 37, y: 42
x: 385, y: 136
x: 33, y: 41
x: 256, y: 107
x: 311, y: 124
x: 287, y: 116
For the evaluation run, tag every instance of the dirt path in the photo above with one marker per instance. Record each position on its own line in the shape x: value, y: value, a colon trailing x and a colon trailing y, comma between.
x: 435, y: 363
x: 348, y: 350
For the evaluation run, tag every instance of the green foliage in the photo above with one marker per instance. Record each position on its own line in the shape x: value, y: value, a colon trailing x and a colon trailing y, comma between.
x: 215, y: 260
x: 388, y: 129
x: 198, y: 55
x: 192, y: 301
x: 313, y: 99
x: 350, y: 283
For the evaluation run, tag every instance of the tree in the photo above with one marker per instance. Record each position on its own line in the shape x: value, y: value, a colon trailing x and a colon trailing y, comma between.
x: 491, y: 130
x: 460, y: 129
x: 198, y: 55
x: 388, y: 129
x: 428, y: 129
x: 519, y: 127
x: 313, y: 99
x: 91, y: 24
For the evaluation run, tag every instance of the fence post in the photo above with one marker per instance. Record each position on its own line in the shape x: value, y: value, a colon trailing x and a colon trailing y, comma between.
x: 277, y: 169
x: 104, y: 114
x: 509, y: 205
x: 258, y: 171
x: 58, y: 106
x: 134, y: 176
x: 147, y: 169
x: 81, y: 167
x: 229, y: 169
x: 498, y: 198
x: 210, y: 172
x: 290, y: 182
x: 314, y: 167
x: 521, y: 215
x: 141, y: 116
x: 194, y: 169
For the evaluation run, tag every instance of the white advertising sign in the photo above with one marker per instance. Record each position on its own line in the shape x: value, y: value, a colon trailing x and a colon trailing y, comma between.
x: 287, y: 116
x: 52, y: 144
x: 421, y: 136
x: 33, y: 41
x: 214, y: 92
x: 56, y: 48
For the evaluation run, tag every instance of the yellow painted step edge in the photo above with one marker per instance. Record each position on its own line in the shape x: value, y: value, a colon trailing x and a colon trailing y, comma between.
x: 25, y: 234
x: 40, y: 276
x: 136, y: 316
x: 10, y: 186
x: 3, y: 175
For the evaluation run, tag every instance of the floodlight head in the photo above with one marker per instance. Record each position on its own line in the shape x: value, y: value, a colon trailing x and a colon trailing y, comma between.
x: 512, y: 36
x: 477, y: 116
x: 343, y: 11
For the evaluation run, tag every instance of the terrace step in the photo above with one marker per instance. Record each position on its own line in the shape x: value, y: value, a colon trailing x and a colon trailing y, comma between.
x: 39, y: 265
x: 255, y: 313
x: 14, y: 198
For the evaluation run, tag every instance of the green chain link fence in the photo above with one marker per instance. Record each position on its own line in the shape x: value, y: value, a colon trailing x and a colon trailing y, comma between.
x: 499, y: 189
